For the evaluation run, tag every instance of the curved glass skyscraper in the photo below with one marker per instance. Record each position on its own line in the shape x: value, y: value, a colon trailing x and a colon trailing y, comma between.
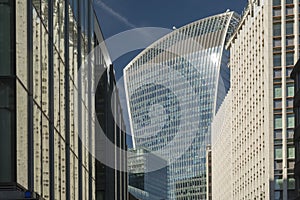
x: 174, y: 88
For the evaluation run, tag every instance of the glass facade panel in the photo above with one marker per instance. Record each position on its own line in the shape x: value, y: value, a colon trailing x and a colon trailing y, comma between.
x: 276, y: 12
x: 278, y: 164
x: 278, y: 152
x: 289, y: 41
x: 290, y: 28
x: 277, y: 60
x: 289, y: 11
x: 6, y: 38
x: 277, y: 42
x: 290, y: 90
x: 277, y: 104
x: 290, y: 59
x: 277, y: 91
x: 277, y: 73
x: 14, y: 101
x: 277, y: 134
x: 7, y: 127
x: 276, y: 2
x: 290, y: 121
x: 278, y: 184
x: 289, y: 71
x: 291, y: 152
x: 277, y: 29
x: 291, y: 183
x: 289, y: 103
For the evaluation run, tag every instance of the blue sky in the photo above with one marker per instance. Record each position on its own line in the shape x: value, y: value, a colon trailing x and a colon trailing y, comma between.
x: 116, y: 16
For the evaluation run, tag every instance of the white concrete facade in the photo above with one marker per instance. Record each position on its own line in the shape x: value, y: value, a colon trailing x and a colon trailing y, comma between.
x: 263, y: 51
x: 221, y: 152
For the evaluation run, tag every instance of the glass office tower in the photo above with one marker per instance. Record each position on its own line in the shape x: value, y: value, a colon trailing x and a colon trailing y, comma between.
x: 43, y: 43
x: 174, y: 88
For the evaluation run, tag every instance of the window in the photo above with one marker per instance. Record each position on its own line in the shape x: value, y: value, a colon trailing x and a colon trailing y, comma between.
x: 290, y: 121
x: 289, y: 41
x: 276, y: 12
x: 290, y: 28
x: 276, y: 2
x: 290, y: 134
x: 291, y: 164
x: 277, y: 42
x: 290, y: 90
x: 278, y: 152
x: 278, y: 195
x: 291, y: 183
x: 289, y: 103
x: 277, y: 29
x: 278, y: 164
x: 277, y: 91
x: 290, y: 59
x: 277, y: 60
x: 278, y: 182
x: 277, y: 73
x: 289, y: 71
x: 278, y: 122
x: 277, y: 104
x: 289, y: 1
x: 278, y: 134
x: 291, y: 152
x: 289, y: 11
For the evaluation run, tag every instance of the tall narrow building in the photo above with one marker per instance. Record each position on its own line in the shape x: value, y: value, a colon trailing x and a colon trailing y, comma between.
x: 295, y: 75
x: 263, y: 50
x: 174, y: 88
x: 43, y: 45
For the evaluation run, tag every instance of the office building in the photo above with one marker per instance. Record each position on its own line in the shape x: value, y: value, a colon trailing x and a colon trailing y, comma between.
x: 263, y: 50
x: 208, y: 173
x: 295, y: 75
x: 111, y: 177
x: 174, y: 88
x: 43, y: 112
x: 221, y: 151
x: 144, y: 183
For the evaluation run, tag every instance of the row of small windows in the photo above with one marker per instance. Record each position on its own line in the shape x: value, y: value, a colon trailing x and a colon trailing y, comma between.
x: 278, y: 2
x: 288, y: 11
x: 290, y: 121
x: 289, y: 59
x: 278, y: 152
x: 278, y: 103
x: 278, y: 91
x: 289, y: 42
x: 277, y: 72
x: 289, y: 30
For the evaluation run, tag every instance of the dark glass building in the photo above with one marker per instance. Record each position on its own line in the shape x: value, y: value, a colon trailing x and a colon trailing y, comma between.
x: 45, y: 109
x: 111, y: 181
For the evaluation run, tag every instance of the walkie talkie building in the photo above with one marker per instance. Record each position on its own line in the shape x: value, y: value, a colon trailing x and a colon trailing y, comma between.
x: 174, y: 88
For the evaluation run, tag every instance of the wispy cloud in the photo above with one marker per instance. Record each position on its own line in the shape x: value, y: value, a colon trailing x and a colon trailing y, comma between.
x: 114, y: 13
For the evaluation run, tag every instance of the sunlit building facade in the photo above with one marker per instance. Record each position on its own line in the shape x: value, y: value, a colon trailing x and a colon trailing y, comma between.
x: 296, y: 77
x: 43, y: 45
x: 174, y: 88
x: 221, y: 151
x: 263, y: 50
